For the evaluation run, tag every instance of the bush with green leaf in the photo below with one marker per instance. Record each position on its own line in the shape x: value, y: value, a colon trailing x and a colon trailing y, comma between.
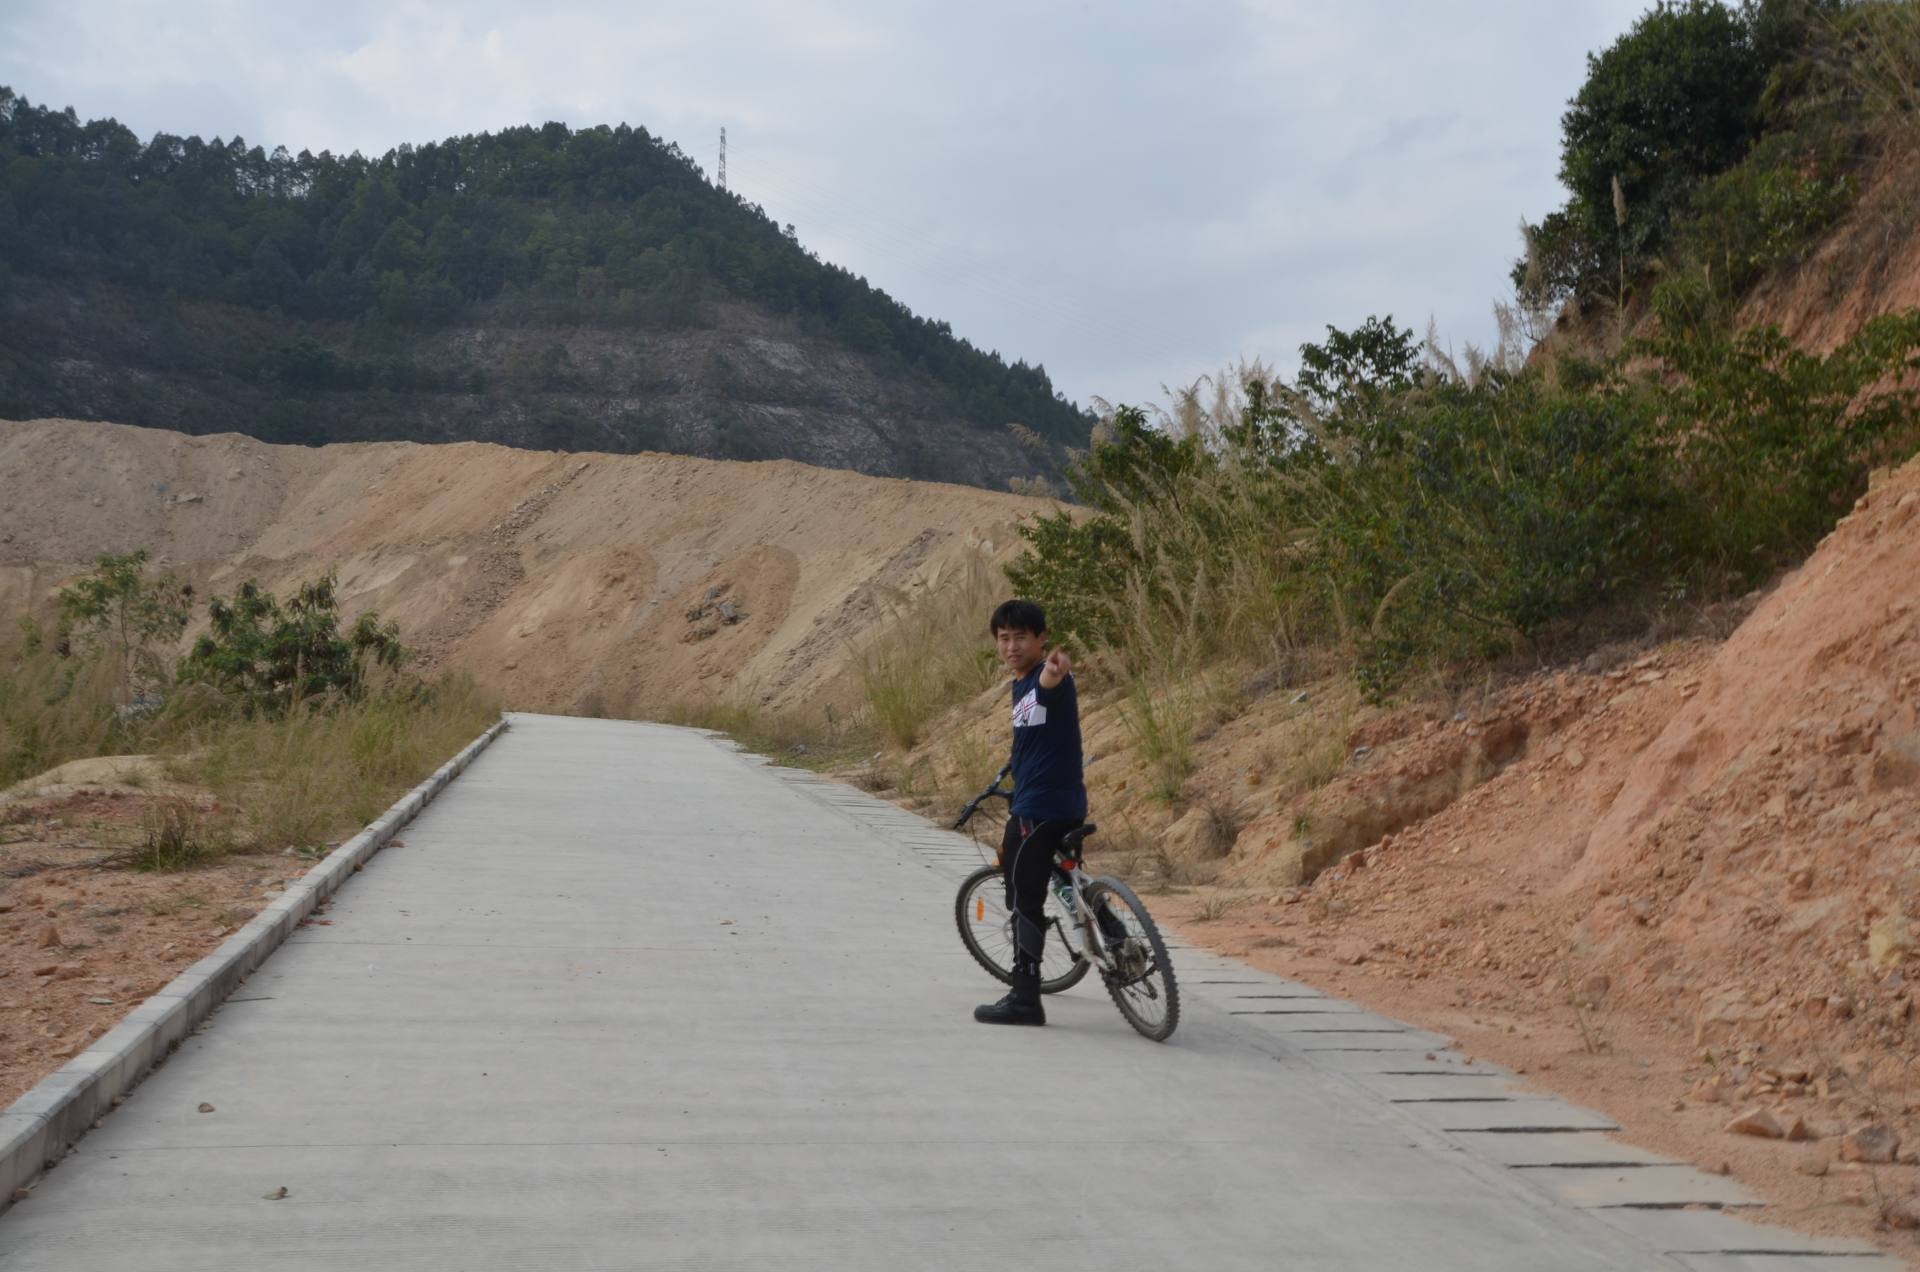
x: 269, y: 656
x: 1769, y: 442
x: 132, y: 620
x: 1438, y: 523
x: 1765, y: 211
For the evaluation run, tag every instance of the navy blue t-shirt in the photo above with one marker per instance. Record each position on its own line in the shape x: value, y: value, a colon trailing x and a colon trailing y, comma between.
x: 1048, y: 784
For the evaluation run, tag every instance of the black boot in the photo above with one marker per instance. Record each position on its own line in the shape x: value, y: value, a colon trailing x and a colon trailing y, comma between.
x: 1020, y: 1007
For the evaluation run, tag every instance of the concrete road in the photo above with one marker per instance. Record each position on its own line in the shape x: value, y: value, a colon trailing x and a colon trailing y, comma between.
x: 625, y: 998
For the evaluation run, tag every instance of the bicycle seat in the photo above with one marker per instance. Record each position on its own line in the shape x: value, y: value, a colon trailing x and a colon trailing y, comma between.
x: 1071, y: 842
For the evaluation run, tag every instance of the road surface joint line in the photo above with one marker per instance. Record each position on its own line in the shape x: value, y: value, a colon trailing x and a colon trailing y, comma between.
x: 903, y: 836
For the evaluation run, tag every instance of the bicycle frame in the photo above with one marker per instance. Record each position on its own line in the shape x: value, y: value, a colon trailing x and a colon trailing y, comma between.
x: 1086, y: 931
x: 1084, y: 935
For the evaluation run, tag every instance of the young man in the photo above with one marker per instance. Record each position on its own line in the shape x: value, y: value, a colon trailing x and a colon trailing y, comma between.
x: 1049, y: 794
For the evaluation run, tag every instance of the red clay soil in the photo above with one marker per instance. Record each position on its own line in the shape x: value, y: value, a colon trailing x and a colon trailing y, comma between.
x: 1690, y: 890
x: 83, y: 942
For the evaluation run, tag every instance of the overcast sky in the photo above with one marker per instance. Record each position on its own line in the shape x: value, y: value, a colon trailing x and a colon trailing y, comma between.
x: 1133, y: 194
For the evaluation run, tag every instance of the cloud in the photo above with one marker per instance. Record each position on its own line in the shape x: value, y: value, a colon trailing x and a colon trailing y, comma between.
x: 1133, y: 194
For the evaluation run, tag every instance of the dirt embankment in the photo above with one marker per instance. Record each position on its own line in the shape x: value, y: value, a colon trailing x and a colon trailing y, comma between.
x: 1679, y: 882
x: 1680, y: 888
x: 614, y: 583
x: 1865, y: 266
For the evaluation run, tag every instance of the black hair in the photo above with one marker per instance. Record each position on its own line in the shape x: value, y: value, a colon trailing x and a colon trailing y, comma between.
x: 1018, y: 616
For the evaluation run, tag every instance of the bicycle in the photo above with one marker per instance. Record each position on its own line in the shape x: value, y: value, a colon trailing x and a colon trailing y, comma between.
x: 1094, y: 922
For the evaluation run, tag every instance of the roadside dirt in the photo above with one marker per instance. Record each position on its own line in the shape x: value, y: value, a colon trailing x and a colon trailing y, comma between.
x: 1685, y: 887
x: 1678, y: 882
x: 83, y: 939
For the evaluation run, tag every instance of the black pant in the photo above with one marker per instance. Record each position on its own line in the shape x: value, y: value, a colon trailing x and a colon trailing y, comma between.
x: 1026, y: 861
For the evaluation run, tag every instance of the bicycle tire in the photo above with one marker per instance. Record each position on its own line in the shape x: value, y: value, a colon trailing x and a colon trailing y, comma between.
x: 969, y: 916
x: 1121, y: 984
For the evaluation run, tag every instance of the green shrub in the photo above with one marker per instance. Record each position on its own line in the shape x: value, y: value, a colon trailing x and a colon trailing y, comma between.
x: 133, y: 620
x: 1769, y: 443
x: 1764, y: 212
x: 1444, y: 523
x: 1672, y: 101
x: 1491, y: 512
x: 269, y: 656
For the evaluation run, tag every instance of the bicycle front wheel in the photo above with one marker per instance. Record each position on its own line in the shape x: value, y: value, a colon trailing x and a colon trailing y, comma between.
x: 986, y: 929
x: 1139, y: 975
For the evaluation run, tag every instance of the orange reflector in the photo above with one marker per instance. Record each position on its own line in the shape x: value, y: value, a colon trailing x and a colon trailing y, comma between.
x: 979, y: 909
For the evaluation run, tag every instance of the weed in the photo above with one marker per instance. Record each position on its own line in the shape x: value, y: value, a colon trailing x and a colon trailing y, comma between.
x: 1224, y: 822
x: 796, y: 738
x: 1215, y: 906
x: 177, y: 835
x: 1161, y: 723
x: 968, y: 760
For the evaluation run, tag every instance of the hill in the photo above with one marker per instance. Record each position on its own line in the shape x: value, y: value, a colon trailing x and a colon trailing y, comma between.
x: 536, y: 287
x: 621, y: 584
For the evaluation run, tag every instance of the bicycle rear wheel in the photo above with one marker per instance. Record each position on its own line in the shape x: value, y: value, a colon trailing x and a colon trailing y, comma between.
x: 986, y: 929
x: 1140, y: 980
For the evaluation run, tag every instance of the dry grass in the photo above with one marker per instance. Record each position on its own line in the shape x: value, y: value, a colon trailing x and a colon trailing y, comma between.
x: 933, y: 654
x: 327, y: 768
x: 1875, y: 51
x: 801, y: 739
x: 322, y: 770
x: 53, y: 708
x: 1160, y: 716
x: 177, y: 834
x: 1217, y: 905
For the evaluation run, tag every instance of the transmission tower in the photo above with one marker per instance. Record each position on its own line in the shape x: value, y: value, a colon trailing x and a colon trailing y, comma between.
x: 723, y: 158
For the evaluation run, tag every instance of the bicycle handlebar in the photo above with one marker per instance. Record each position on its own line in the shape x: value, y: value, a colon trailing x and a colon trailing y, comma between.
x: 992, y: 789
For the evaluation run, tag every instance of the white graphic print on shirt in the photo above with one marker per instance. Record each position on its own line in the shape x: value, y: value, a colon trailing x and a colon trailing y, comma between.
x: 1028, y: 711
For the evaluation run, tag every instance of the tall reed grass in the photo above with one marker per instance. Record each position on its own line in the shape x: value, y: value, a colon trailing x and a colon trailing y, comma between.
x: 53, y: 708
x: 929, y: 654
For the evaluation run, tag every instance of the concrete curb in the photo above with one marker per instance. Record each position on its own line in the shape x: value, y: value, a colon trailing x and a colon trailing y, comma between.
x: 37, y: 1129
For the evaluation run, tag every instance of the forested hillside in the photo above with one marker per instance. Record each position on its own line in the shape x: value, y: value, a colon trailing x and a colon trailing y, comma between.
x: 539, y: 286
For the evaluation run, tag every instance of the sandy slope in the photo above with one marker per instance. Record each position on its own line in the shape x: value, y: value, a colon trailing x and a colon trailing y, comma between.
x: 566, y: 581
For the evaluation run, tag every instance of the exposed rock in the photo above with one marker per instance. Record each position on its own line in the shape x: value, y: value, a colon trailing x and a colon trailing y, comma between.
x: 1193, y: 838
x: 1889, y: 941
x: 1874, y: 1143
x: 1756, y: 1122
x: 1352, y: 953
x: 1896, y: 764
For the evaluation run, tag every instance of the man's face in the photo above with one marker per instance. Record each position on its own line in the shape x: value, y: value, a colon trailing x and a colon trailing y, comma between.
x: 1019, y: 650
